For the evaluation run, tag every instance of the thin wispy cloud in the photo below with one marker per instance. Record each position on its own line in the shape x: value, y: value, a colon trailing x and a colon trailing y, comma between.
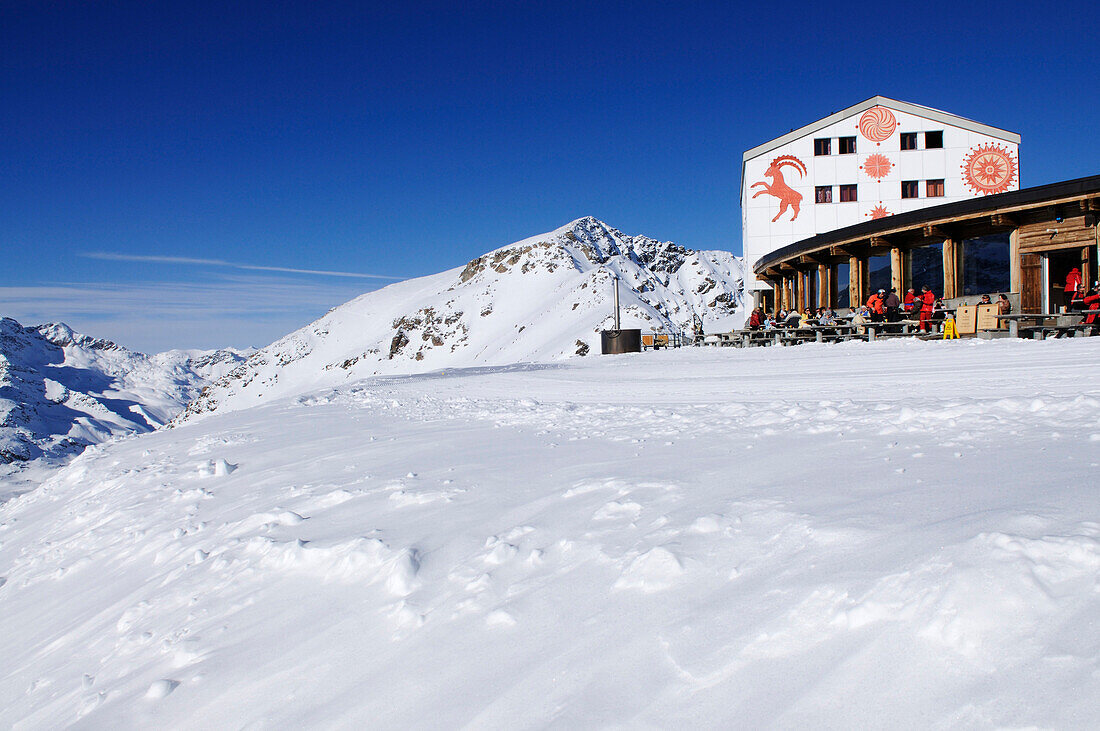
x: 109, y: 256
x: 241, y: 310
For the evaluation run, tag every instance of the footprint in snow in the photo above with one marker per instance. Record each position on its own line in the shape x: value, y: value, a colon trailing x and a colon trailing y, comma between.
x: 161, y: 688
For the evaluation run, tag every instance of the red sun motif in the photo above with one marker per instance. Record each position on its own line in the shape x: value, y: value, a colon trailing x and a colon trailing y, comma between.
x: 877, y: 166
x: 989, y: 169
x: 879, y: 212
x: 877, y: 124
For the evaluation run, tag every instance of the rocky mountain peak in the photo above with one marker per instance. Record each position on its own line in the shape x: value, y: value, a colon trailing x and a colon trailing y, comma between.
x: 540, y: 298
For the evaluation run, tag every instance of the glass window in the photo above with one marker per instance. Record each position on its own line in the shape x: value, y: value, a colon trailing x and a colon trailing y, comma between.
x: 933, y: 189
x: 847, y: 193
x: 878, y: 268
x: 933, y: 140
x: 822, y: 147
x: 823, y: 194
x: 908, y: 140
x: 986, y: 265
x: 847, y: 145
x: 926, y: 267
x: 910, y: 188
x: 842, y: 299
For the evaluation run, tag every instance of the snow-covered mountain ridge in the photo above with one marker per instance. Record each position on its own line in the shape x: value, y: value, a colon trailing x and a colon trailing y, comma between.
x: 543, y: 298
x: 61, y: 391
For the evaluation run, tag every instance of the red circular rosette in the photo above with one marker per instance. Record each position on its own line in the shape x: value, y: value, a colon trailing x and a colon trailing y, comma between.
x: 877, y: 124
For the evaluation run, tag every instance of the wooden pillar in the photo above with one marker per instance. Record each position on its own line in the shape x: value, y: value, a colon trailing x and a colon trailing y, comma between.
x: 897, y: 270
x: 951, y: 273
x: 786, y: 303
x: 1015, y: 268
x: 1087, y: 266
x: 824, y: 285
x: 855, y: 282
x: 864, y: 278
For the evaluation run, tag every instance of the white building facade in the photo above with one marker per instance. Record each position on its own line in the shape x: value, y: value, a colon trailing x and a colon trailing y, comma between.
x: 875, y: 159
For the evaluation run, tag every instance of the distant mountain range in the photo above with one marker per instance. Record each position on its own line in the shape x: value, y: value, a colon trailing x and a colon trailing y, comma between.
x: 61, y: 391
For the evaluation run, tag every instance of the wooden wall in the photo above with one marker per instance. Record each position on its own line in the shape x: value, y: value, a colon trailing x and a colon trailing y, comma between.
x: 1073, y: 231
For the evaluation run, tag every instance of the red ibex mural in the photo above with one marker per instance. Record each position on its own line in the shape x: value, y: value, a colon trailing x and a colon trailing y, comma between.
x: 787, y: 195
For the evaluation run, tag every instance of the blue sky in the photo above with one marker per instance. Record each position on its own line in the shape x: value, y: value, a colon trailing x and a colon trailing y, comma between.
x: 150, y: 149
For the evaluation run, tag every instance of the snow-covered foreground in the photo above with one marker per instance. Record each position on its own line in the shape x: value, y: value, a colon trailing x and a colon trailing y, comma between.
x: 897, y: 534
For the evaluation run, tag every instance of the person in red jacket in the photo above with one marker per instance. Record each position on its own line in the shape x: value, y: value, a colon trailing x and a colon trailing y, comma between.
x: 927, y: 301
x: 1073, y: 281
x: 876, y: 303
x: 1091, y: 301
x: 756, y: 319
x: 907, y: 303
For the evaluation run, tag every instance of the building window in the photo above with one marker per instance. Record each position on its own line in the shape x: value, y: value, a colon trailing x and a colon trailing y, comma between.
x: 847, y: 193
x: 823, y: 194
x: 822, y: 147
x: 847, y: 145
x: 933, y: 140
x: 910, y: 189
x: 908, y: 140
x: 933, y: 189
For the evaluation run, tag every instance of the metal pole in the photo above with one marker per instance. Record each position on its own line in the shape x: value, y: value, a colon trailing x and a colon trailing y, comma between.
x: 615, y: 279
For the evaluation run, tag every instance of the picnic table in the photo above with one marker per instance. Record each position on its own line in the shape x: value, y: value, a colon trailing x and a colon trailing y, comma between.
x: 791, y: 335
x: 1042, y: 326
x: 897, y: 328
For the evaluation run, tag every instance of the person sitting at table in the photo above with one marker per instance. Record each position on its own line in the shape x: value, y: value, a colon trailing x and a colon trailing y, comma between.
x: 875, y: 303
x: 1004, y: 306
x: 769, y: 323
x: 985, y: 300
x: 807, y: 318
x: 861, y: 318
x: 1076, y: 300
x: 927, y: 306
x: 756, y: 319
x: 792, y: 318
x: 1090, y: 304
x: 908, y: 303
x: 827, y: 317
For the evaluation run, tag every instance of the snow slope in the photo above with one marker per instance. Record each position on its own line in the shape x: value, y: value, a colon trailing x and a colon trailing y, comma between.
x: 60, y: 391
x: 884, y: 535
x: 543, y: 298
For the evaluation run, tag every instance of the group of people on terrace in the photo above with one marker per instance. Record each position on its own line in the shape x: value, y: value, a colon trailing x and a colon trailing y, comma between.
x: 881, y: 306
x: 1081, y: 299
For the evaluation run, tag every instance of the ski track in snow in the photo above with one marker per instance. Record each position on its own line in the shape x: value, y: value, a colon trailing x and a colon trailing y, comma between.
x: 900, y: 534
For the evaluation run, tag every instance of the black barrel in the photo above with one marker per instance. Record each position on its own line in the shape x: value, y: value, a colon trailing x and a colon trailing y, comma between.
x: 621, y: 341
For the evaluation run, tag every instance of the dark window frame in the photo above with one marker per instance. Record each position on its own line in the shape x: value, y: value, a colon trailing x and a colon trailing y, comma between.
x: 825, y: 143
x: 908, y: 137
x: 827, y: 190
x: 928, y: 188
x: 853, y: 189
x: 910, y: 186
x: 936, y: 142
x: 840, y: 145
